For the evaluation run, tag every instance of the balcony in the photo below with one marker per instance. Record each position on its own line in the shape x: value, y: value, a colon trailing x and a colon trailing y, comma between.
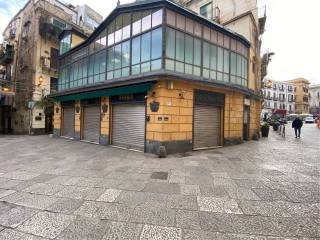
x: 275, y: 99
x: 6, y: 54
x: 49, y: 31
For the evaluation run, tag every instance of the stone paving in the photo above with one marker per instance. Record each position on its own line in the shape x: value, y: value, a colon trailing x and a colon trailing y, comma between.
x: 60, y: 189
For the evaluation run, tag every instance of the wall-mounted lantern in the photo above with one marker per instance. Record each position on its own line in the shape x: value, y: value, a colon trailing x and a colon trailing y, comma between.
x: 40, y: 81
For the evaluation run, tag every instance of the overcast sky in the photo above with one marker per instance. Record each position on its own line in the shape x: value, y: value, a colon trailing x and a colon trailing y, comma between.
x: 292, y: 33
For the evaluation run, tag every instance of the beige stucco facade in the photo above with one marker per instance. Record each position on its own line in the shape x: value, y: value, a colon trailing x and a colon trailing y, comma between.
x: 301, y: 95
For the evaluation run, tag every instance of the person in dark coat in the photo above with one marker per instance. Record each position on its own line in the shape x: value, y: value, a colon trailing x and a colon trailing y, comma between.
x: 297, y: 125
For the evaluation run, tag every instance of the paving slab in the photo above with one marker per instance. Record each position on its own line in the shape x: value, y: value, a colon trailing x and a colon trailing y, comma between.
x: 15, y: 216
x: 110, y: 195
x: 84, y: 228
x: 159, y: 232
x: 65, y: 205
x: 122, y: 231
x: 166, y: 188
x: 219, y: 205
x: 153, y: 215
x: 188, y: 219
x: 46, y: 224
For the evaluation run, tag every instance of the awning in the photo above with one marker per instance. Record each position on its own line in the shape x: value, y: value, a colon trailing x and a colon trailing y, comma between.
x: 130, y: 89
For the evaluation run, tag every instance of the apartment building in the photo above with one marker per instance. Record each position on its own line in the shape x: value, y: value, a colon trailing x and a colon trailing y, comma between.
x: 29, y: 62
x: 278, y: 95
x: 301, y: 86
x: 314, y: 97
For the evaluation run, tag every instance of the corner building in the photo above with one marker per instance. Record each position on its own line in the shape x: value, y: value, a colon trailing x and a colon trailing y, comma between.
x: 156, y: 74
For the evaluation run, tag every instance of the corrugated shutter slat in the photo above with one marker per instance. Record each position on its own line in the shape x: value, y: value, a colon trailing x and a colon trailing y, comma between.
x: 207, y: 126
x: 91, y: 123
x: 128, y: 126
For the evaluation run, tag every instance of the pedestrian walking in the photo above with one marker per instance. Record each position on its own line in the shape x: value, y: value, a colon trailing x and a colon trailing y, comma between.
x: 297, y: 125
x: 318, y: 122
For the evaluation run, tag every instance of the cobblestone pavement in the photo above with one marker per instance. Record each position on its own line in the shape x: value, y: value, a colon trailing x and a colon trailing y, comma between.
x: 60, y: 189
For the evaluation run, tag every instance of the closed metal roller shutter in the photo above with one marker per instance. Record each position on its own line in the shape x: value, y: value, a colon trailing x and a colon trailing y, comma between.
x: 68, y: 121
x: 128, y: 126
x: 207, y: 126
x: 91, y: 123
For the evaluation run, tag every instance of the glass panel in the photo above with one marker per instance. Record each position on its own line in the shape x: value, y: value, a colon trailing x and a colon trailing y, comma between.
x: 170, y: 42
x: 91, y: 65
x: 206, y: 33
x: 125, y: 72
x: 206, y: 73
x: 189, y: 25
x: 220, y: 39
x: 145, y: 67
x: 110, y: 75
x: 110, y: 58
x: 117, y: 73
x: 96, y: 65
x: 220, y: 59
x: 206, y: 55
x: 110, y: 39
x: 117, y: 56
x: 197, y: 29
x: 213, y: 57
x: 102, y: 61
x: 226, y: 77
x: 226, y: 41
x: 146, y: 22
x: 126, y: 26
x: 85, y: 68
x: 179, y: 67
x: 136, y: 50
x: 213, y: 75
x: 179, y: 46
x: 233, y: 45
x: 135, y: 69
x: 103, y: 42
x: 145, y: 47
x: 157, y: 18
x: 233, y: 63
x: 188, y: 69
x: 118, y: 23
x: 189, y: 49
x: 238, y: 65
x: 156, y: 43
x: 219, y: 76
x: 197, y: 52
x: 226, y: 61
x: 181, y: 22
x: 125, y: 53
x: 136, y: 25
x: 118, y: 36
x: 171, y: 18
x: 196, y: 71
x: 214, y: 36
x: 156, y: 65
x: 169, y: 65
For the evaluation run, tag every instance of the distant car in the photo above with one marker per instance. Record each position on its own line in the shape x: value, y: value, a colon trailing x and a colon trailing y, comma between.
x: 309, y: 120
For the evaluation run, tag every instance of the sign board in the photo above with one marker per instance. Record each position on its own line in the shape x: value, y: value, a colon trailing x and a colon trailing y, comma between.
x: 30, y: 104
x: 247, y: 102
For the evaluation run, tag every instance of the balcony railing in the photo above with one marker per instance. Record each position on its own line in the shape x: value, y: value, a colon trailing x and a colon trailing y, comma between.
x: 6, y: 55
x: 48, y: 30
